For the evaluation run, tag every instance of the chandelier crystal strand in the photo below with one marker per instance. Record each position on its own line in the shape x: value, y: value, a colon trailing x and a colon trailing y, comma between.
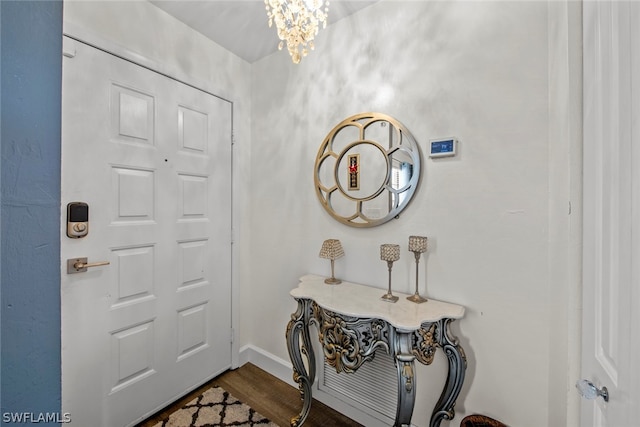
x: 297, y: 23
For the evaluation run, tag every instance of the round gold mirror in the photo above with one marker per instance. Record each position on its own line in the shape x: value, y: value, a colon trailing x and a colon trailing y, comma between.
x: 367, y: 169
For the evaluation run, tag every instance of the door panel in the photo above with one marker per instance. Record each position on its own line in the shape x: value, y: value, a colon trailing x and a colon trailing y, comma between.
x: 609, y: 218
x: 152, y: 158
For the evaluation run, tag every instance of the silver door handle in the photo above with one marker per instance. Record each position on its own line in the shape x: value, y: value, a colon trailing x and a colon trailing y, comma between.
x: 590, y: 391
x: 80, y: 265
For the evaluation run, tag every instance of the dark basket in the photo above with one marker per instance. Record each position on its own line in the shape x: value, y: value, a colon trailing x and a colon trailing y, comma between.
x: 480, y: 421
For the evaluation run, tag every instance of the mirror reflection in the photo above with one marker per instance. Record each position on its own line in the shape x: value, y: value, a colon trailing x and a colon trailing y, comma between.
x: 367, y: 170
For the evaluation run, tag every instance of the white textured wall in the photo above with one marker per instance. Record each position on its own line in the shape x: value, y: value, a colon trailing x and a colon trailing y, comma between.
x: 475, y: 70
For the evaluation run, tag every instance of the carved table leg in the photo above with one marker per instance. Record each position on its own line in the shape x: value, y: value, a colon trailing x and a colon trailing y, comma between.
x: 405, y: 364
x: 298, y: 327
x: 444, y: 409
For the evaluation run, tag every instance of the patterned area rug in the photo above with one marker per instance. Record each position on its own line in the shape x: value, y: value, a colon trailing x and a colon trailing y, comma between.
x: 215, y: 408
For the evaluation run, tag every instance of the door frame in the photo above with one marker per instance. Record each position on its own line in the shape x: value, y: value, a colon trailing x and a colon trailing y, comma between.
x: 98, y: 42
x: 635, y: 207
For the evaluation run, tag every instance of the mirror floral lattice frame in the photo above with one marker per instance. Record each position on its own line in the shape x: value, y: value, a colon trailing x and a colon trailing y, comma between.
x: 340, y: 170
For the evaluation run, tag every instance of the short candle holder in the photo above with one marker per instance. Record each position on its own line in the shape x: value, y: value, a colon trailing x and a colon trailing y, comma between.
x: 389, y: 253
x: 417, y: 245
x: 332, y: 250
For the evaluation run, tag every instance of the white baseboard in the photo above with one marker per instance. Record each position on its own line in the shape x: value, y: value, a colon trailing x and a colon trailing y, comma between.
x: 282, y: 369
x: 279, y: 368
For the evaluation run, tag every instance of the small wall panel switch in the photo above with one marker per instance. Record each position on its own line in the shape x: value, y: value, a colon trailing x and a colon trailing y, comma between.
x: 445, y: 147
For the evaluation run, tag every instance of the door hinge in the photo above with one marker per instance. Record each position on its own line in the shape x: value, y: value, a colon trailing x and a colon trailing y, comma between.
x: 233, y: 336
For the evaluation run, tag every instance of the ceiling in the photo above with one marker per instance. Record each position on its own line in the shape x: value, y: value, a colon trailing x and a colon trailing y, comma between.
x: 241, y: 26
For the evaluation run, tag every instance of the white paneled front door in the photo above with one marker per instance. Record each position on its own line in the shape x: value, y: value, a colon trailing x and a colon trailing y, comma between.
x: 611, y: 272
x: 152, y: 159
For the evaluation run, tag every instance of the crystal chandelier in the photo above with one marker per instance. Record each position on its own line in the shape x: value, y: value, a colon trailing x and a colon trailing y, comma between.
x: 297, y: 23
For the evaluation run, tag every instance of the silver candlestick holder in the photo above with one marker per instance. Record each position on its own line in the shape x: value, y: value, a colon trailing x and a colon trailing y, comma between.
x: 417, y: 245
x: 389, y: 253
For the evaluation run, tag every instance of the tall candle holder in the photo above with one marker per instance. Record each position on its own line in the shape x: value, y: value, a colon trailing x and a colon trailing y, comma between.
x: 389, y: 253
x: 417, y: 245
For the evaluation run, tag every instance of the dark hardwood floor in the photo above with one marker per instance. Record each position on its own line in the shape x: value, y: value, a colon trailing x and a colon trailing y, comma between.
x: 271, y: 397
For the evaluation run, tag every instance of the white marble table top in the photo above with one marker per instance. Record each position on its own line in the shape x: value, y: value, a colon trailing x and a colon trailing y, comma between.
x: 362, y: 301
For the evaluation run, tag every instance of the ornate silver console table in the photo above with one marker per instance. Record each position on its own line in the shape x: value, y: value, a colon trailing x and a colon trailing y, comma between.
x: 353, y: 322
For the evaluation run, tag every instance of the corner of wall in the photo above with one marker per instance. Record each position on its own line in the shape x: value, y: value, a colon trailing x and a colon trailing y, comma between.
x: 565, y: 209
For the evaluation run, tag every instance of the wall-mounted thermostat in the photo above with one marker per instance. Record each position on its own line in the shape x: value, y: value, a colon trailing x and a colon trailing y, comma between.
x: 442, y: 147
